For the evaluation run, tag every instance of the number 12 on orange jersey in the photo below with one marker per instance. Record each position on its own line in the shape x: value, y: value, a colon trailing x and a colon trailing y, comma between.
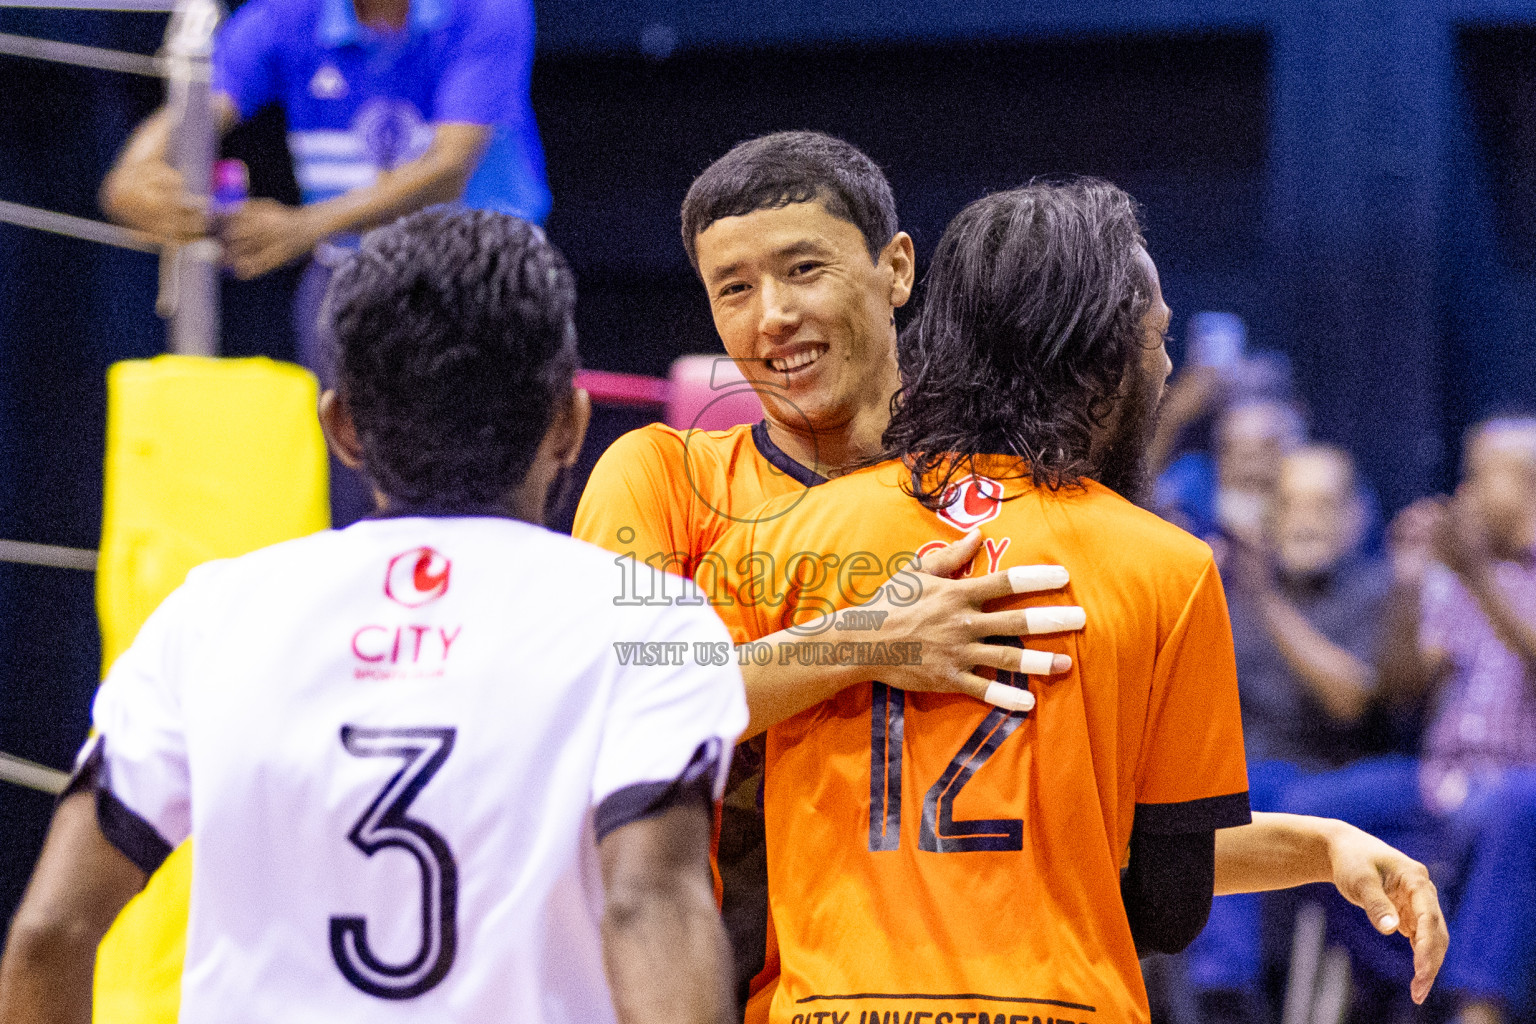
x: 938, y: 831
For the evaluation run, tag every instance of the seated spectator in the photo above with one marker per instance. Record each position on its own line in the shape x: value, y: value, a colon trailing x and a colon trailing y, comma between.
x: 1306, y: 617
x: 1461, y: 633
x: 1306, y: 613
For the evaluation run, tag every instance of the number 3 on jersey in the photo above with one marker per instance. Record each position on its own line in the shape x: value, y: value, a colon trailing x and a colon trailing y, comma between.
x: 386, y: 824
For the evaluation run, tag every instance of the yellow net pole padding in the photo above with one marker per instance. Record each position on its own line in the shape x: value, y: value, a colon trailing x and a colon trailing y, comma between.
x: 206, y: 458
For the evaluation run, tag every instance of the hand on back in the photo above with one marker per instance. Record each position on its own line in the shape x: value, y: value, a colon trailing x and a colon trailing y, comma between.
x: 950, y: 623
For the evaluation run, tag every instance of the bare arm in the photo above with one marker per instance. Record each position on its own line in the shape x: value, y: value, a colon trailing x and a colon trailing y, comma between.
x: 665, y: 947
x: 264, y: 235
x: 142, y: 190
x: 1279, y: 851
x: 1191, y: 395
x: 1407, y: 669
x: 80, y: 884
x: 945, y: 626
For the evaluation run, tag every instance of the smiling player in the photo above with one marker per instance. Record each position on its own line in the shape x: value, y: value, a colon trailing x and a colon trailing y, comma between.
x: 807, y: 225
x: 932, y: 856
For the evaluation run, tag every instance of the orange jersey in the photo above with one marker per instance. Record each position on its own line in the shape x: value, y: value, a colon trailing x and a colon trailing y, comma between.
x: 663, y: 496
x: 934, y: 859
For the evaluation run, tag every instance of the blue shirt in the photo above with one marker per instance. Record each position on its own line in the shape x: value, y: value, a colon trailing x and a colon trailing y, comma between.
x: 360, y: 101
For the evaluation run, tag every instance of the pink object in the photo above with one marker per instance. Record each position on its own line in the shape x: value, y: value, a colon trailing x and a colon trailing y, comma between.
x: 709, y: 393
x: 623, y: 388
x: 231, y: 185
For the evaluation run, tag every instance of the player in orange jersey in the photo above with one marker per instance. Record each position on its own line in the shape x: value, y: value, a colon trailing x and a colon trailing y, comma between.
x: 931, y: 856
x: 814, y: 225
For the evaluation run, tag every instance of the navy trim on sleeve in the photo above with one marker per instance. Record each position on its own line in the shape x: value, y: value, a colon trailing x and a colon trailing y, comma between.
x: 133, y: 837
x: 1204, y: 815
x: 648, y: 799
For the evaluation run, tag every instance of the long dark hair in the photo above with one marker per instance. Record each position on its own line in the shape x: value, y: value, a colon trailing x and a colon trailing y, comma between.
x: 1029, y: 327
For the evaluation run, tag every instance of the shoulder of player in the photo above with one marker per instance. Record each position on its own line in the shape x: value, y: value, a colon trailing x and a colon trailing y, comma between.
x: 660, y: 447
x: 589, y: 575
x: 843, y: 498
x: 1140, y: 537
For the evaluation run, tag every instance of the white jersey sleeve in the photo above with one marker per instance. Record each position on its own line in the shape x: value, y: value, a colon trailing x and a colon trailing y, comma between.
x: 137, y: 759
x: 678, y: 706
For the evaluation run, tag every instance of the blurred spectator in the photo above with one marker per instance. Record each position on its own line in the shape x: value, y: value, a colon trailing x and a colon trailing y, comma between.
x: 1252, y: 440
x: 1461, y: 631
x: 1306, y: 607
x: 1253, y: 424
x: 1306, y: 616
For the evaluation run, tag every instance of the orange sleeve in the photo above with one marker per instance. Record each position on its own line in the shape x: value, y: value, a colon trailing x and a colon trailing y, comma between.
x: 631, y: 505
x: 1193, y: 776
x: 726, y: 552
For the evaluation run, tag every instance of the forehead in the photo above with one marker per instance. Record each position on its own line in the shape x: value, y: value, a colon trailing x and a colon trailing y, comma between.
x: 762, y: 235
x: 1315, y: 472
x: 1503, y: 448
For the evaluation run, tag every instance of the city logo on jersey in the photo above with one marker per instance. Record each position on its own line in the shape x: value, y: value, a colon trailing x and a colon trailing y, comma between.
x: 417, y: 577
x: 971, y: 501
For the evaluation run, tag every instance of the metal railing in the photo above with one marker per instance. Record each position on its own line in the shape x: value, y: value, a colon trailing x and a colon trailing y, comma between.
x: 189, y: 274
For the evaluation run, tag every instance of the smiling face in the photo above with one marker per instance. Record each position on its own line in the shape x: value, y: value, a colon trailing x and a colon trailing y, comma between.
x: 807, y: 315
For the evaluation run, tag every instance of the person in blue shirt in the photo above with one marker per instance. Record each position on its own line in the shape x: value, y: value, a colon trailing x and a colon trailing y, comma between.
x: 391, y: 105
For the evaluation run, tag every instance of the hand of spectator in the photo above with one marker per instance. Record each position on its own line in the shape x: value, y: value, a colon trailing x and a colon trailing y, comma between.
x: 1189, y: 395
x: 1460, y: 539
x: 1396, y: 893
x: 149, y: 195
x: 1411, y: 538
x: 263, y: 235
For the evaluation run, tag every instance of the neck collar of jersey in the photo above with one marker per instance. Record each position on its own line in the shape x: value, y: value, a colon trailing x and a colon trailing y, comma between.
x: 338, y: 25
x: 780, y: 460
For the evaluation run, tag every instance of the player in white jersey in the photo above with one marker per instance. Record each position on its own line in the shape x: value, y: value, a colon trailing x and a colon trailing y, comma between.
x: 421, y: 780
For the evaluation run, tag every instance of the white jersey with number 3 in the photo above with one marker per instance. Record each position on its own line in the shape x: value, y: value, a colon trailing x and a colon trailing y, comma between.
x: 394, y: 747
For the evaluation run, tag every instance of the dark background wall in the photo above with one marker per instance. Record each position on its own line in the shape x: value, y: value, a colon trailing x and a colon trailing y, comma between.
x: 1357, y: 178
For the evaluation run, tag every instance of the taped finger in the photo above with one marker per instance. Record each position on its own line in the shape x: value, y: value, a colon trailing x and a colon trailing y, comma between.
x: 1054, y: 619
x: 1009, y: 698
x: 1029, y: 579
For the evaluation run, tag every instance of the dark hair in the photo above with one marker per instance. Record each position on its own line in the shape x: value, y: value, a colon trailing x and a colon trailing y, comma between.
x: 454, y: 345
x: 792, y: 167
x: 1030, y: 323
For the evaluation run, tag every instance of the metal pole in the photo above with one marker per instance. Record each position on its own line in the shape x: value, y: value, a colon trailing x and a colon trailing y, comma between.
x: 23, y: 553
x: 21, y: 772
x: 189, y: 274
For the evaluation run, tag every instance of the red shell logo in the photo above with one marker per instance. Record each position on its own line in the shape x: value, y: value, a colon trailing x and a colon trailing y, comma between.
x: 416, y: 577
x: 971, y: 501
